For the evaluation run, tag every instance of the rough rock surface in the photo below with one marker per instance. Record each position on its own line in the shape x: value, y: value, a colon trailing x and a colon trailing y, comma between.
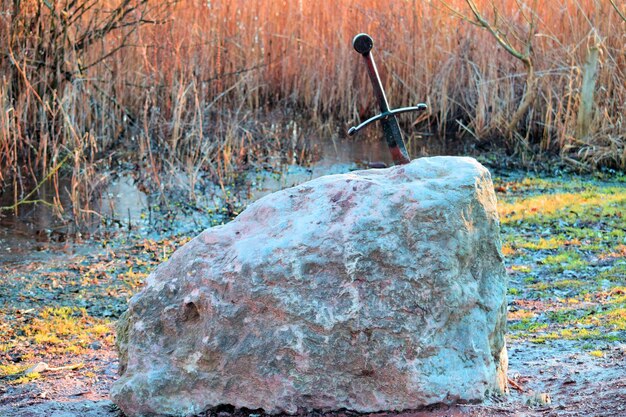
x: 373, y: 290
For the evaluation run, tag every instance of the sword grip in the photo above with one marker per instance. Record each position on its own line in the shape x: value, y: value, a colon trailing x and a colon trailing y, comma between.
x: 363, y: 44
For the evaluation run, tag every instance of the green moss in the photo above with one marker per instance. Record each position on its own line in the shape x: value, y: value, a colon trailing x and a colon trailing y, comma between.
x: 558, y: 242
x: 566, y: 260
x: 25, y: 378
x: 572, y: 334
x: 527, y: 325
x: 11, y: 369
x: 615, y: 273
x: 570, y: 316
x: 562, y: 284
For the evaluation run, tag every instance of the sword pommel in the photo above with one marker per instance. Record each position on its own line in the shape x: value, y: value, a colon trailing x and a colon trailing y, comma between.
x: 363, y: 43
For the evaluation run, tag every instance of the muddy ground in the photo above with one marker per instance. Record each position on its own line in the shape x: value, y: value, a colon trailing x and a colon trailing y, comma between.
x: 564, y: 240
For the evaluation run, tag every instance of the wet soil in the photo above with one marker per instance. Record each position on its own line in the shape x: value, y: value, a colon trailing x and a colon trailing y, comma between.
x: 553, y: 376
x: 576, y: 387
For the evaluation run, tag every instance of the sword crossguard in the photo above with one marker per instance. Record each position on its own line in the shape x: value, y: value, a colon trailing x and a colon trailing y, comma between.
x: 363, y: 44
x: 355, y: 129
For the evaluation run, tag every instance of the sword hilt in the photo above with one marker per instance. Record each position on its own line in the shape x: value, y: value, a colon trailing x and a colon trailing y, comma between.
x: 363, y: 44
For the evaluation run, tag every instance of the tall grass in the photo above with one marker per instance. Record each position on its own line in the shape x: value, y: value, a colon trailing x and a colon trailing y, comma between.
x: 206, y: 88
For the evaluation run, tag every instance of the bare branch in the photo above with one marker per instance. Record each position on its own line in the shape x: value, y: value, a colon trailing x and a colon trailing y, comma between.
x: 621, y: 14
x: 495, y: 32
x: 502, y: 38
x: 458, y: 14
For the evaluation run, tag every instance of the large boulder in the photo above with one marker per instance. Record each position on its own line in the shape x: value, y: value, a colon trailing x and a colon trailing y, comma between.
x: 373, y: 290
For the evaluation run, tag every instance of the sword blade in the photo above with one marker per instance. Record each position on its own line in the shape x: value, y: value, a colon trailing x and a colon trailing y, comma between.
x: 395, y: 143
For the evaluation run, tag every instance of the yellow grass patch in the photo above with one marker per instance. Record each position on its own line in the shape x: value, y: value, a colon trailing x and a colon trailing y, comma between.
x: 520, y: 315
x: 550, y: 243
x: 549, y: 204
x: 65, y: 329
x: 508, y: 250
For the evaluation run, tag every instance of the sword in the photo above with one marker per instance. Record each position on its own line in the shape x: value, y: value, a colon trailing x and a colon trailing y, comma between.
x: 363, y: 44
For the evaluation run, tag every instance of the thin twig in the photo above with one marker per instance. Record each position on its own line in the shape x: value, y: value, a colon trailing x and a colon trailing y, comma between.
x: 26, y: 200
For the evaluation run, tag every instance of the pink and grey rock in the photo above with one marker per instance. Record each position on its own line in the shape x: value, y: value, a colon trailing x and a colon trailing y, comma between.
x: 368, y: 291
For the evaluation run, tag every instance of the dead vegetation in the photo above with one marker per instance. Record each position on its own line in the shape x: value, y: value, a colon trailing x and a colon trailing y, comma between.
x: 206, y: 88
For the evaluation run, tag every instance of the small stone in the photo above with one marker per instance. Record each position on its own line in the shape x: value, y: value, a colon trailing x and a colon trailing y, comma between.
x: 538, y: 399
x: 38, y: 367
x: 377, y: 165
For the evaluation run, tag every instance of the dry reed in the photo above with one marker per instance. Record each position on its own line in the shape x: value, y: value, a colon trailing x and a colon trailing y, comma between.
x: 205, y: 87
